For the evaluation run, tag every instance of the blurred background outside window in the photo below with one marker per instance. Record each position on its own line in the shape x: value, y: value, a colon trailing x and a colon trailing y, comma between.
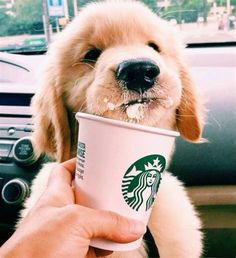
x: 29, y: 25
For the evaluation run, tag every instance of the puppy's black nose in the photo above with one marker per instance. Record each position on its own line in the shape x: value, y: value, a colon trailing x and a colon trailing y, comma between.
x: 137, y: 74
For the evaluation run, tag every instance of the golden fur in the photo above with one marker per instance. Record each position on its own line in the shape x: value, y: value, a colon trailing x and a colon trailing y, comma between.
x: 122, y: 30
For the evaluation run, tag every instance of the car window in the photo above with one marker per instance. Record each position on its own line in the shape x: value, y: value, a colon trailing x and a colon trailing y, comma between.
x: 28, y: 26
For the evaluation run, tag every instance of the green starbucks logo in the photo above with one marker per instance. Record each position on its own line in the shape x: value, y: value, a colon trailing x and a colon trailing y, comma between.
x: 141, y: 181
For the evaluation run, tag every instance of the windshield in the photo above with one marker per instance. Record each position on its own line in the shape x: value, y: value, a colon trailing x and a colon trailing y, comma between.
x: 29, y: 25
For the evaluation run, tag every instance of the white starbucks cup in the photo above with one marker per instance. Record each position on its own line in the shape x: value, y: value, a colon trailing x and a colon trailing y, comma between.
x: 119, y: 168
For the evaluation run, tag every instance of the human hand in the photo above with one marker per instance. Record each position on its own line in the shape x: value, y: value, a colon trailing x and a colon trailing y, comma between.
x: 57, y: 227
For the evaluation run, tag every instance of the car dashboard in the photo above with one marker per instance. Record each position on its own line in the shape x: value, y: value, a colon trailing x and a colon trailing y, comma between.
x: 208, y: 169
x: 18, y: 165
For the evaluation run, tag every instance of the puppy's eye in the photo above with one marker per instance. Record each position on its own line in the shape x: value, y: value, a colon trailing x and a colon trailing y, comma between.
x: 92, y: 55
x: 154, y: 46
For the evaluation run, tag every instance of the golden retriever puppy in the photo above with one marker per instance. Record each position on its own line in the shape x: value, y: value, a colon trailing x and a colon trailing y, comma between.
x: 117, y: 59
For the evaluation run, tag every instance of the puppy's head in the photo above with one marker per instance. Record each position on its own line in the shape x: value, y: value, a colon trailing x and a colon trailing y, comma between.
x: 119, y: 60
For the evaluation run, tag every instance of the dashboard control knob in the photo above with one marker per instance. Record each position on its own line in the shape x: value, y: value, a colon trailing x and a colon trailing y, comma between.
x: 15, y: 191
x: 23, y: 151
x: 11, y: 131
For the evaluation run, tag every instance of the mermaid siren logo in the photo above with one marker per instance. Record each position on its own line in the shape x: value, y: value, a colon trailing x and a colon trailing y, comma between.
x: 141, y: 181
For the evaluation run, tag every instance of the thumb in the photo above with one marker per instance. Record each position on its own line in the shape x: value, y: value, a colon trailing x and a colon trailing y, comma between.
x: 112, y: 226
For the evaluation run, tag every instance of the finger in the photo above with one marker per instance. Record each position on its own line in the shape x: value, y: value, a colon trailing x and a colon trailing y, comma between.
x: 112, y: 226
x: 63, y: 173
x: 69, y: 165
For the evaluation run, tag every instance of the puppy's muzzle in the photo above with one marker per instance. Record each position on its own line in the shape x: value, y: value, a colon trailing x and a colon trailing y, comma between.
x: 137, y: 74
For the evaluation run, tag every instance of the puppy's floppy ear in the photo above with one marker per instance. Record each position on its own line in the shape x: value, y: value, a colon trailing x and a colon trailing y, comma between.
x: 51, y: 127
x: 189, y: 114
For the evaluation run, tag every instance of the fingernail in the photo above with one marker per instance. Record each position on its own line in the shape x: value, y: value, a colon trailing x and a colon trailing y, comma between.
x: 137, y: 228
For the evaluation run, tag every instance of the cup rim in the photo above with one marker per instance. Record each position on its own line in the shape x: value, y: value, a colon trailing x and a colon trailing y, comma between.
x: 128, y: 125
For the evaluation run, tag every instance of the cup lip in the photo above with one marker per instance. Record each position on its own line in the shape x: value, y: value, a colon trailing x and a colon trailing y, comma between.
x: 128, y: 125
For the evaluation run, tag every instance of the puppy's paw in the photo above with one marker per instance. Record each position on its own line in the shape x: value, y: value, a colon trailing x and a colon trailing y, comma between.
x: 174, y: 222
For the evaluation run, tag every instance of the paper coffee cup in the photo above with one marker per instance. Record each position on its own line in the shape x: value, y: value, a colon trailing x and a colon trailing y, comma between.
x: 119, y: 168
